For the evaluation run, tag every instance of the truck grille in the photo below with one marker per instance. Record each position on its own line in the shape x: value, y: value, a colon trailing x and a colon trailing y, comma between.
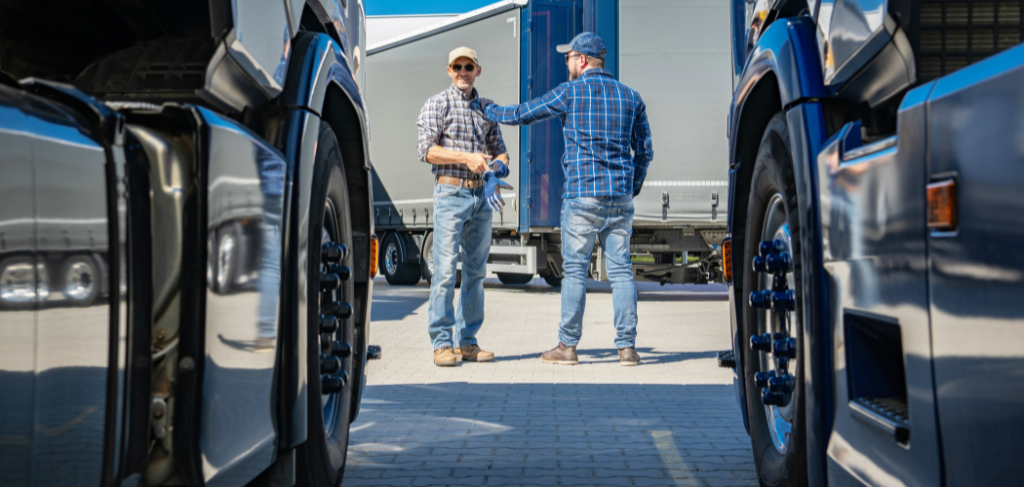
x: 956, y: 33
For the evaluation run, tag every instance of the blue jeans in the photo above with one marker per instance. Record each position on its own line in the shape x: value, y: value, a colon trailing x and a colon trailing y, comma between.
x: 610, y: 220
x: 461, y: 216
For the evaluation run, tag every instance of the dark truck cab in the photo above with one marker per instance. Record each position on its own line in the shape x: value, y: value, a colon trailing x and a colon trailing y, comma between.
x: 875, y: 161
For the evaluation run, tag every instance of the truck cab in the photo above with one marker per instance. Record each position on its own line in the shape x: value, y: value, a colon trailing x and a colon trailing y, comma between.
x: 871, y: 168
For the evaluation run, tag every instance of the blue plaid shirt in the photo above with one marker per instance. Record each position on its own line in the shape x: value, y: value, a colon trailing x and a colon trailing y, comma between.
x: 603, y: 120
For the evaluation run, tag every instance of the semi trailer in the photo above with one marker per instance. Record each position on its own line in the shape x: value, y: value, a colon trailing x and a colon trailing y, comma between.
x: 875, y: 166
x: 186, y: 241
x: 674, y: 53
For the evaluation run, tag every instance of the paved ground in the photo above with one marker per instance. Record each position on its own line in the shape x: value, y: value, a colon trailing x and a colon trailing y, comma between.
x: 517, y: 421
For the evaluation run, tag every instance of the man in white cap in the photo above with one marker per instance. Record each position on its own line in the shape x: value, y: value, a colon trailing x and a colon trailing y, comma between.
x: 467, y: 157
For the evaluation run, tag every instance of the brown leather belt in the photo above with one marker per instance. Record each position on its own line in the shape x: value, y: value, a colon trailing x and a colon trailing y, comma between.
x: 463, y: 183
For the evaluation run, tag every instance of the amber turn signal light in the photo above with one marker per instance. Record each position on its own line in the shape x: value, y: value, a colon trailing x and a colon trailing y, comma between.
x: 727, y: 259
x: 942, y: 205
x: 374, y: 243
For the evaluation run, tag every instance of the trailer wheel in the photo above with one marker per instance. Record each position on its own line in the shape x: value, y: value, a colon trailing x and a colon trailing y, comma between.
x: 773, y: 366
x: 80, y: 280
x: 331, y: 335
x: 514, y: 279
x: 392, y: 261
x: 552, y: 279
x: 18, y: 289
x: 427, y: 262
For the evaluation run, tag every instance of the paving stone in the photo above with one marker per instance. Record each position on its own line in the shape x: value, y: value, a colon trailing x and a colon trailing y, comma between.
x: 516, y: 421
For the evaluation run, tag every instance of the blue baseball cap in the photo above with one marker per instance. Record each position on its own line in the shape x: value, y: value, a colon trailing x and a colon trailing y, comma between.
x: 586, y: 43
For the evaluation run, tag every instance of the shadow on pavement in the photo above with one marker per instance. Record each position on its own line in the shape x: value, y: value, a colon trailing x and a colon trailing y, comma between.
x: 542, y: 434
x: 611, y: 355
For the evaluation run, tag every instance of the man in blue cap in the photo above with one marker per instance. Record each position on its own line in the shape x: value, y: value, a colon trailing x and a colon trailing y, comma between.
x: 607, y: 151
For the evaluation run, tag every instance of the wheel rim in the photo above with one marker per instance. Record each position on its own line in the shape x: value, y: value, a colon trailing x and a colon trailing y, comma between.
x: 779, y: 418
x: 16, y: 283
x: 391, y: 258
x: 79, y: 282
x: 225, y: 252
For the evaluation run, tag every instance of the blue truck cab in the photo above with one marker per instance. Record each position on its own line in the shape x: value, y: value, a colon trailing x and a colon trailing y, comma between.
x: 876, y: 154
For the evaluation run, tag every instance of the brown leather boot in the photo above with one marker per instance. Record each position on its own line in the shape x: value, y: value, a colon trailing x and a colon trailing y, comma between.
x: 473, y: 353
x: 561, y: 355
x: 628, y: 357
x: 444, y: 357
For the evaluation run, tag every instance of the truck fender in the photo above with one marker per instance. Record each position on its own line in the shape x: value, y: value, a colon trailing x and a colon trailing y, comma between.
x: 318, y: 76
x: 784, y: 72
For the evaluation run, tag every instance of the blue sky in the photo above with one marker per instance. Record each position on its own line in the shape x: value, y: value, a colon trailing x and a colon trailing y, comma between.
x: 410, y: 7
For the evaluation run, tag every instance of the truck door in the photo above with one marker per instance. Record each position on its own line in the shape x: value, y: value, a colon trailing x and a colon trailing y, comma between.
x: 874, y: 254
x: 976, y: 272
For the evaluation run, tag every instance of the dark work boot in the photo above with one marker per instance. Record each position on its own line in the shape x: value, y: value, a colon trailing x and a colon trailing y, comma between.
x: 561, y: 355
x: 628, y: 357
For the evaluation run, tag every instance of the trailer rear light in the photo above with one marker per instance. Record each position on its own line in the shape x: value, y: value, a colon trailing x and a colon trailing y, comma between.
x: 942, y: 205
x: 727, y: 259
x: 374, y: 244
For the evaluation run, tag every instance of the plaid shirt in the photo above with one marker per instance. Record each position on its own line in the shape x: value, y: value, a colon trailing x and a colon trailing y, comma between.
x: 602, y: 119
x: 447, y: 121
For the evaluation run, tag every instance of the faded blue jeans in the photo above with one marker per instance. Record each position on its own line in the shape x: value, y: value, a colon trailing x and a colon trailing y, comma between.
x: 609, y: 220
x: 461, y: 216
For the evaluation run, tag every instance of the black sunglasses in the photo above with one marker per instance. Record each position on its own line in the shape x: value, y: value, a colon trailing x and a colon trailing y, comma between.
x: 569, y: 56
x: 458, y: 67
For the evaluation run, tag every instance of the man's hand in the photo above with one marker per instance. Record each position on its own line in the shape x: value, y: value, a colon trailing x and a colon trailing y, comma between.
x: 480, y: 103
x: 476, y: 162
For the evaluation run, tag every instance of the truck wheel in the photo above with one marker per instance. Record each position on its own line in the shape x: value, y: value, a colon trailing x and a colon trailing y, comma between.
x: 552, y: 279
x: 773, y: 368
x: 330, y: 337
x: 18, y: 282
x: 80, y: 278
x: 392, y: 262
x: 509, y: 278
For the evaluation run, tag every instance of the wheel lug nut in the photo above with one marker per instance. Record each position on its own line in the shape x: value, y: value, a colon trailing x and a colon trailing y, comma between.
x: 761, y: 343
x: 769, y: 247
x: 781, y: 384
x: 328, y: 324
x: 333, y: 252
x: 329, y: 281
x: 760, y: 299
x: 329, y: 364
x: 784, y: 348
x: 343, y: 271
x: 330, y: 384
x: 339, y: 310
x: 778, y: 262
x: 783, y: 301
x: 761, y: 379
x: 760, y: 264
x: 341, y: 349
x: 772, y: 398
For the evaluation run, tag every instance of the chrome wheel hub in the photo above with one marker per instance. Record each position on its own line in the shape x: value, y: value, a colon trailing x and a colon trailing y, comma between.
x: 79, y: 281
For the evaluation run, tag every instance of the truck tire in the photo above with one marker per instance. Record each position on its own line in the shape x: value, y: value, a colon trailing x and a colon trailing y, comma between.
x: 514, y: 279
x: 321, y: 459
x: 552, y: 279
x: 777, y: 431
x: 392, y: 261
x: 427, y: 262
x: 80, y: 280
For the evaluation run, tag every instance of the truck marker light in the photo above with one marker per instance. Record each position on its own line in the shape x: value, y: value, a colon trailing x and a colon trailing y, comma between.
x: 727, y: 259
x: 942, y: 205
x: 374, y: 244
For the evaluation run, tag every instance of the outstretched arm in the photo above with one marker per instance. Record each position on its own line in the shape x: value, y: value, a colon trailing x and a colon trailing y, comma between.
x: 552, y: 104
x: 643, y: 149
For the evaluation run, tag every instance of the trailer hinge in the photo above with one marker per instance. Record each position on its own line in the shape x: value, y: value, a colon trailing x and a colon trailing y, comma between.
x: 664, y: 205
x: 529, y: 26
x: 714, y: 205
x: 529, y: 202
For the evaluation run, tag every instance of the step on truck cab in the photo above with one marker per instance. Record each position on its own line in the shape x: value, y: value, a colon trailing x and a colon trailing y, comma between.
x: 674, y: 53
x: 874, y: 167
x: 186, y: 241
